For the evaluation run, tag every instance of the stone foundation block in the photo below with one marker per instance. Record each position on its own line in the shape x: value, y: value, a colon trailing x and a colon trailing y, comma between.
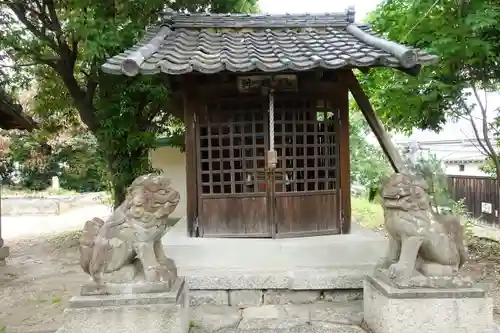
x: 244, y: 298
x: 129, y: 313
x: 343, y: 295
x: 209, y: 297
x: 389, y: 309
x: 291, y: 296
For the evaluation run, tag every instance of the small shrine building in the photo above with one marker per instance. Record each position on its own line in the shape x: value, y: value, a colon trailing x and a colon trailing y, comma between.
x: 265, y: 103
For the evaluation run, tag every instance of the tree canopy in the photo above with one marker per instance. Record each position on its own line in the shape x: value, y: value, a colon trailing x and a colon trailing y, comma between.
x: 61, y: 45
x: 466, y: 37
x: 365, y: 171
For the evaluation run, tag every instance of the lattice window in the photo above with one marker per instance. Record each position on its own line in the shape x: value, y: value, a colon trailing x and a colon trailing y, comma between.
x: 232, y: 145
x: 306, y: 144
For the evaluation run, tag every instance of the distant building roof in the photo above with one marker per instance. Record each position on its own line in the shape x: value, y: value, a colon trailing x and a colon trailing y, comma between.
x: 448, y: 151
x: 212, y: 43
x: 464, y: 159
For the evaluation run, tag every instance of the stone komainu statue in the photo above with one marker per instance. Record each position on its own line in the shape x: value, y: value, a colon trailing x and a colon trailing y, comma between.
x: 421, y: 243
x: 132, y: 234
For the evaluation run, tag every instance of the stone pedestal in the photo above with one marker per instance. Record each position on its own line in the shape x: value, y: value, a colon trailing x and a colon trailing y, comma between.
x: 153, y: 312
x: 388, y: 309
x: 4, y: 253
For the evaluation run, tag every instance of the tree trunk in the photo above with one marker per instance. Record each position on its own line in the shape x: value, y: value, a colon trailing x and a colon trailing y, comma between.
x: 497, y: 211
x: 125, y: 168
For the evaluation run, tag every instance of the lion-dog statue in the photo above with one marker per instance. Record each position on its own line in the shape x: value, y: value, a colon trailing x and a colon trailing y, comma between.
x: 131, y: 236
x: 422, y: 244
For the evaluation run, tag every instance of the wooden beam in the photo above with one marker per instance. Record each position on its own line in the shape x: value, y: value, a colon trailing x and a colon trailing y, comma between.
x: 190, y: 100
x: 375, y: 124
x: 342, y: 96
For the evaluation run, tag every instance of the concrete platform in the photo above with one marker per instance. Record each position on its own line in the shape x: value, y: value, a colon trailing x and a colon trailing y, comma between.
x: 312, y: 263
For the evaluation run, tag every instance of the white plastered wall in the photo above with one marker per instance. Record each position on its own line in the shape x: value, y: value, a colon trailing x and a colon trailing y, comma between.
x: 173, y: 164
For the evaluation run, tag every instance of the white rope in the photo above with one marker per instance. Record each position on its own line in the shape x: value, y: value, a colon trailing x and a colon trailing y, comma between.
x: 271, y: 120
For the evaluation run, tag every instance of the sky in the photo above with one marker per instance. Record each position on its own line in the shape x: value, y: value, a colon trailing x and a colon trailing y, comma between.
x: 362, y: 7
x: 461, y: 129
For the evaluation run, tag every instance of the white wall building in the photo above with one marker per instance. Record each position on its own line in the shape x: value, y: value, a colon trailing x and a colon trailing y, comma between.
x: 456, y: 144
x: 458, y: 157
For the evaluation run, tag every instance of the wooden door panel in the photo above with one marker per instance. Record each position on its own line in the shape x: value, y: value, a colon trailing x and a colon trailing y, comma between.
x: 232, y: 139
x: 232, y: 216
x: 307, y: 214
x: 306, y: 143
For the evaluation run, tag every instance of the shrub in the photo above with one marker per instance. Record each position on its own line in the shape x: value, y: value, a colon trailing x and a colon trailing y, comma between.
x: 75, y: 160
x: 81, y: 167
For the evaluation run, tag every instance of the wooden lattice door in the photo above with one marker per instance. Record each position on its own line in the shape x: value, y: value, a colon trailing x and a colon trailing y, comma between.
x: 232, y: 142
x: 307, y: 196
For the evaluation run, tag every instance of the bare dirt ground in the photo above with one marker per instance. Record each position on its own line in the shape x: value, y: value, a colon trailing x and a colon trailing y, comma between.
x: 484, y: 268
x: 40, y: 277
x: 43, y: 273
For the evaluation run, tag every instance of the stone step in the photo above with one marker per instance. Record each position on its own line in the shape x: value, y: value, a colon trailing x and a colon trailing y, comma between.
x: 361, y: 247
x: 295, y: 329
x: 321, y: 317
x: 308, y: 263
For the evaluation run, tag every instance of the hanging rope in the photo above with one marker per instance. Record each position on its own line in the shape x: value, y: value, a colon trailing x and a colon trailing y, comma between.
x: 271, y: 119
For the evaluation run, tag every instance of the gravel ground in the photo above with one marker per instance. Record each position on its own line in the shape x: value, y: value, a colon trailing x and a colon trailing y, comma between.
x: 15, y: 227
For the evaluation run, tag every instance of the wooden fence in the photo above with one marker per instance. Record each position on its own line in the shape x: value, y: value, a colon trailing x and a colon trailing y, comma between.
x: 480, y: 196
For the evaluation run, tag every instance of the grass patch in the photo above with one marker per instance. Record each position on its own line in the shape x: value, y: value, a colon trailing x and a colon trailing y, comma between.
x: 368, y: 214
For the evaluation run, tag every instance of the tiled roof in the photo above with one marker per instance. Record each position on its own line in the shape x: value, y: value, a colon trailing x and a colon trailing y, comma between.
x: 212, y: 43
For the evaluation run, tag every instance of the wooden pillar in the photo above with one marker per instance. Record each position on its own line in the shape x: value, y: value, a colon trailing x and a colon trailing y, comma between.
x: 375, y: 124
x: 190, y: 104
x: 345, y: 158
x: 4, y: 250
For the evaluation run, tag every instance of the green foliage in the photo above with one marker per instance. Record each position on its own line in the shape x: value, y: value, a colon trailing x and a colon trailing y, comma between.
x: 75, y: 161
x: 458, y: 208
x: 465, y: 37
x: 368, y: 162
x: 81, y: 166
x: 126, y: 135
x: 480, y: 247
x: 6, y: 170
x: 173, y: 133
x: 52, y: 104
x: 67, y: 42
x: 36, y: 167
x: 489, y: 167
x: 431, y: 170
